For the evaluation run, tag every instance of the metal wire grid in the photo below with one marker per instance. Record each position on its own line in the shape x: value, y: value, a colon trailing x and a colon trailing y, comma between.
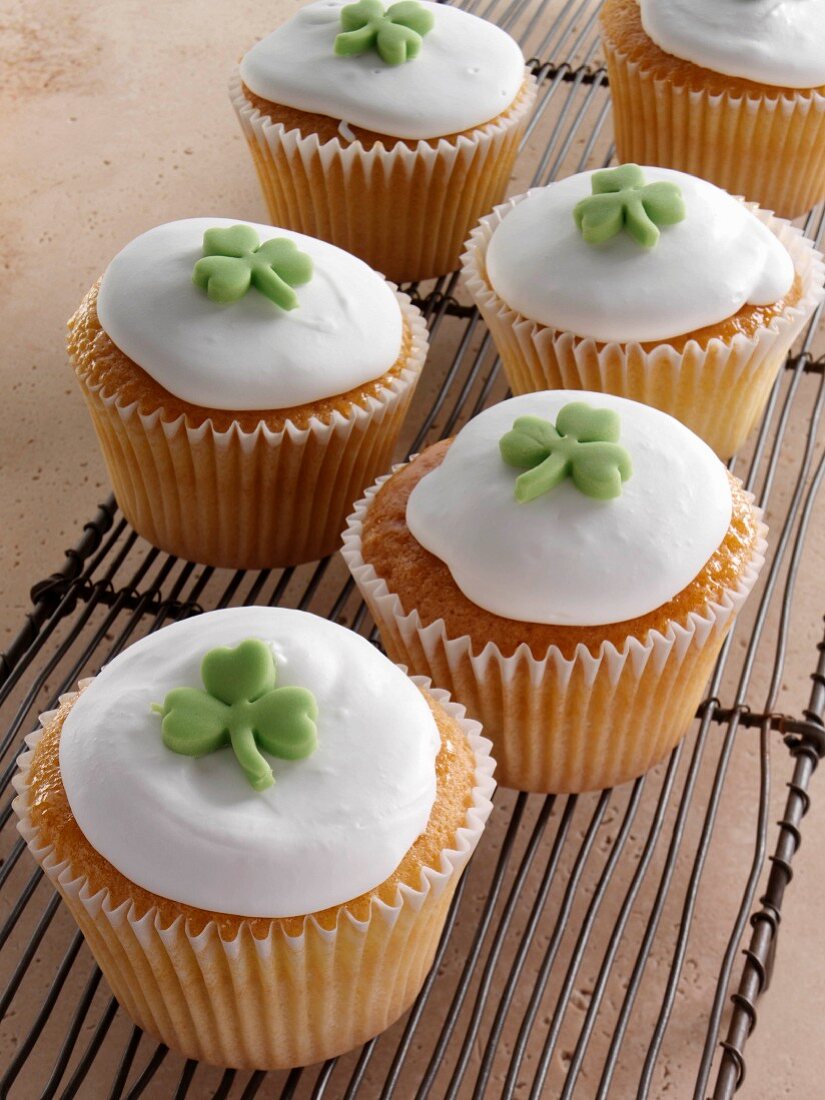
x: 564, y: 957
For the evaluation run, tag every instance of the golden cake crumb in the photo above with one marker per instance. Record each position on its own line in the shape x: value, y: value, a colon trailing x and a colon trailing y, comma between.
x: 99, y: 362
x: 326, y: 128
x: 621, y: 24
x: 51, y: 815
x: 423, y: 582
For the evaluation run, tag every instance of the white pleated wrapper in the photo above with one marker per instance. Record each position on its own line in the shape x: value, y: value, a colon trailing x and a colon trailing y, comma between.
x: 284, y: 1000
x: 251, y: 500
x: 561, y: 725
x: 769, y: 146
x: 719, y: 392
x: 405, y: 210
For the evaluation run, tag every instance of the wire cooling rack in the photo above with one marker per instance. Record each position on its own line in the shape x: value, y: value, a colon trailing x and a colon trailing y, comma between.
x: 595, y: 947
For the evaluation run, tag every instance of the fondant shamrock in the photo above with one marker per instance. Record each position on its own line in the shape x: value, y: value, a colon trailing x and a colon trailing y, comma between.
x: 243, y: 708
x: 583, y: 445
x: 234, y: 259
x: 395, y: 34
x: 622, y: 200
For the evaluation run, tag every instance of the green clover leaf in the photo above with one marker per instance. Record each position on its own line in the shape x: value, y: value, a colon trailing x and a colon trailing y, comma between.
x: 582, y: 445
x: 622, y: 200
x: 243, y: 708
x: 396, y: 34
x: 234, y: 259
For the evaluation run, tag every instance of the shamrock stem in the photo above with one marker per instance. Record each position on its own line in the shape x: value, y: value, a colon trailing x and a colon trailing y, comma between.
x: 542, y: 478
x: 271, y: 284
x: 638, y: 223
x: 248, y: 755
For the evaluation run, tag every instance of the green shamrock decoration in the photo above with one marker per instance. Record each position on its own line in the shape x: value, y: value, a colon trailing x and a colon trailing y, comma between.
x: 395, y: 34
x: 583, y: 446
x: 234, y: 259
x: 243, y: 708
x: 622, y: 200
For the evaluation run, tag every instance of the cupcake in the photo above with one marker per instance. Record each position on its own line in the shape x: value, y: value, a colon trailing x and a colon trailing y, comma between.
x: 246, y: 384
x: 258, y: 823
x: 649, y: 284
x: 388, y: 133
x: 730, y: 91
x: 568, y: 568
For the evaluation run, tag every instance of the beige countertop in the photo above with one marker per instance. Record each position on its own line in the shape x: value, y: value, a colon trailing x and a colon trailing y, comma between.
x: 115, y: 118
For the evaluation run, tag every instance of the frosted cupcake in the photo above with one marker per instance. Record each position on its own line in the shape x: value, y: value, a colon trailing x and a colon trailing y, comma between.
x: 388, y: 133
x: 246, y: 383
x: 258, y: 823
x: 568, y: 568
x: 646, y: 283
x: 731, y: 91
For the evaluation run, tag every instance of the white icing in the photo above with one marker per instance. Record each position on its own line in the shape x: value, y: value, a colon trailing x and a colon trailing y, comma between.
x: 565, y: 558
x: 345, y: 131
x: 777, y: 42
x: 468, y: 72
x: 701, y: 271
x: 248, y: 354
x: 333, y: 826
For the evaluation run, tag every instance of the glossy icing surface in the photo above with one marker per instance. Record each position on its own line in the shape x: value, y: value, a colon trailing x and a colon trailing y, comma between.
x: 776, y: 42
x: 468, y: 72
x: 247, y: 354
x: 333, y: 826
x: 701, y: 271
x: 565, y: 558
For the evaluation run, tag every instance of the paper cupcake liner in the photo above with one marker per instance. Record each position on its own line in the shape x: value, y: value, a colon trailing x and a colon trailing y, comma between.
x: 405, y: 211
x: 251, y: 500
x: 558, y: 724
x: 770, y: 148
x: 280, y: 1001
x: 719, y: 392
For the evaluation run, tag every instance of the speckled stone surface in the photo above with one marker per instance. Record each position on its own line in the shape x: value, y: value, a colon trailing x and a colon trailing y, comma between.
x: 115, y: 118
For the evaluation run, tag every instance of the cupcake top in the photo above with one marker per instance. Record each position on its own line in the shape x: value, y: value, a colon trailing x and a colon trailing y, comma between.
x: 573, y: 508
x: 168, y: 756
x: 415, y: 70
x: 634, y: 253
x: 246, y: 316
x: 778, y: 42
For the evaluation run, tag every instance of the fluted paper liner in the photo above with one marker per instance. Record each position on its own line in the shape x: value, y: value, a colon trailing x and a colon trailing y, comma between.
x: 560, y: 724
x: 283, y: 1000
x: 251, y: 500
x: 405, y: 210
x: 770, y: 148
x: 719, y: 392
